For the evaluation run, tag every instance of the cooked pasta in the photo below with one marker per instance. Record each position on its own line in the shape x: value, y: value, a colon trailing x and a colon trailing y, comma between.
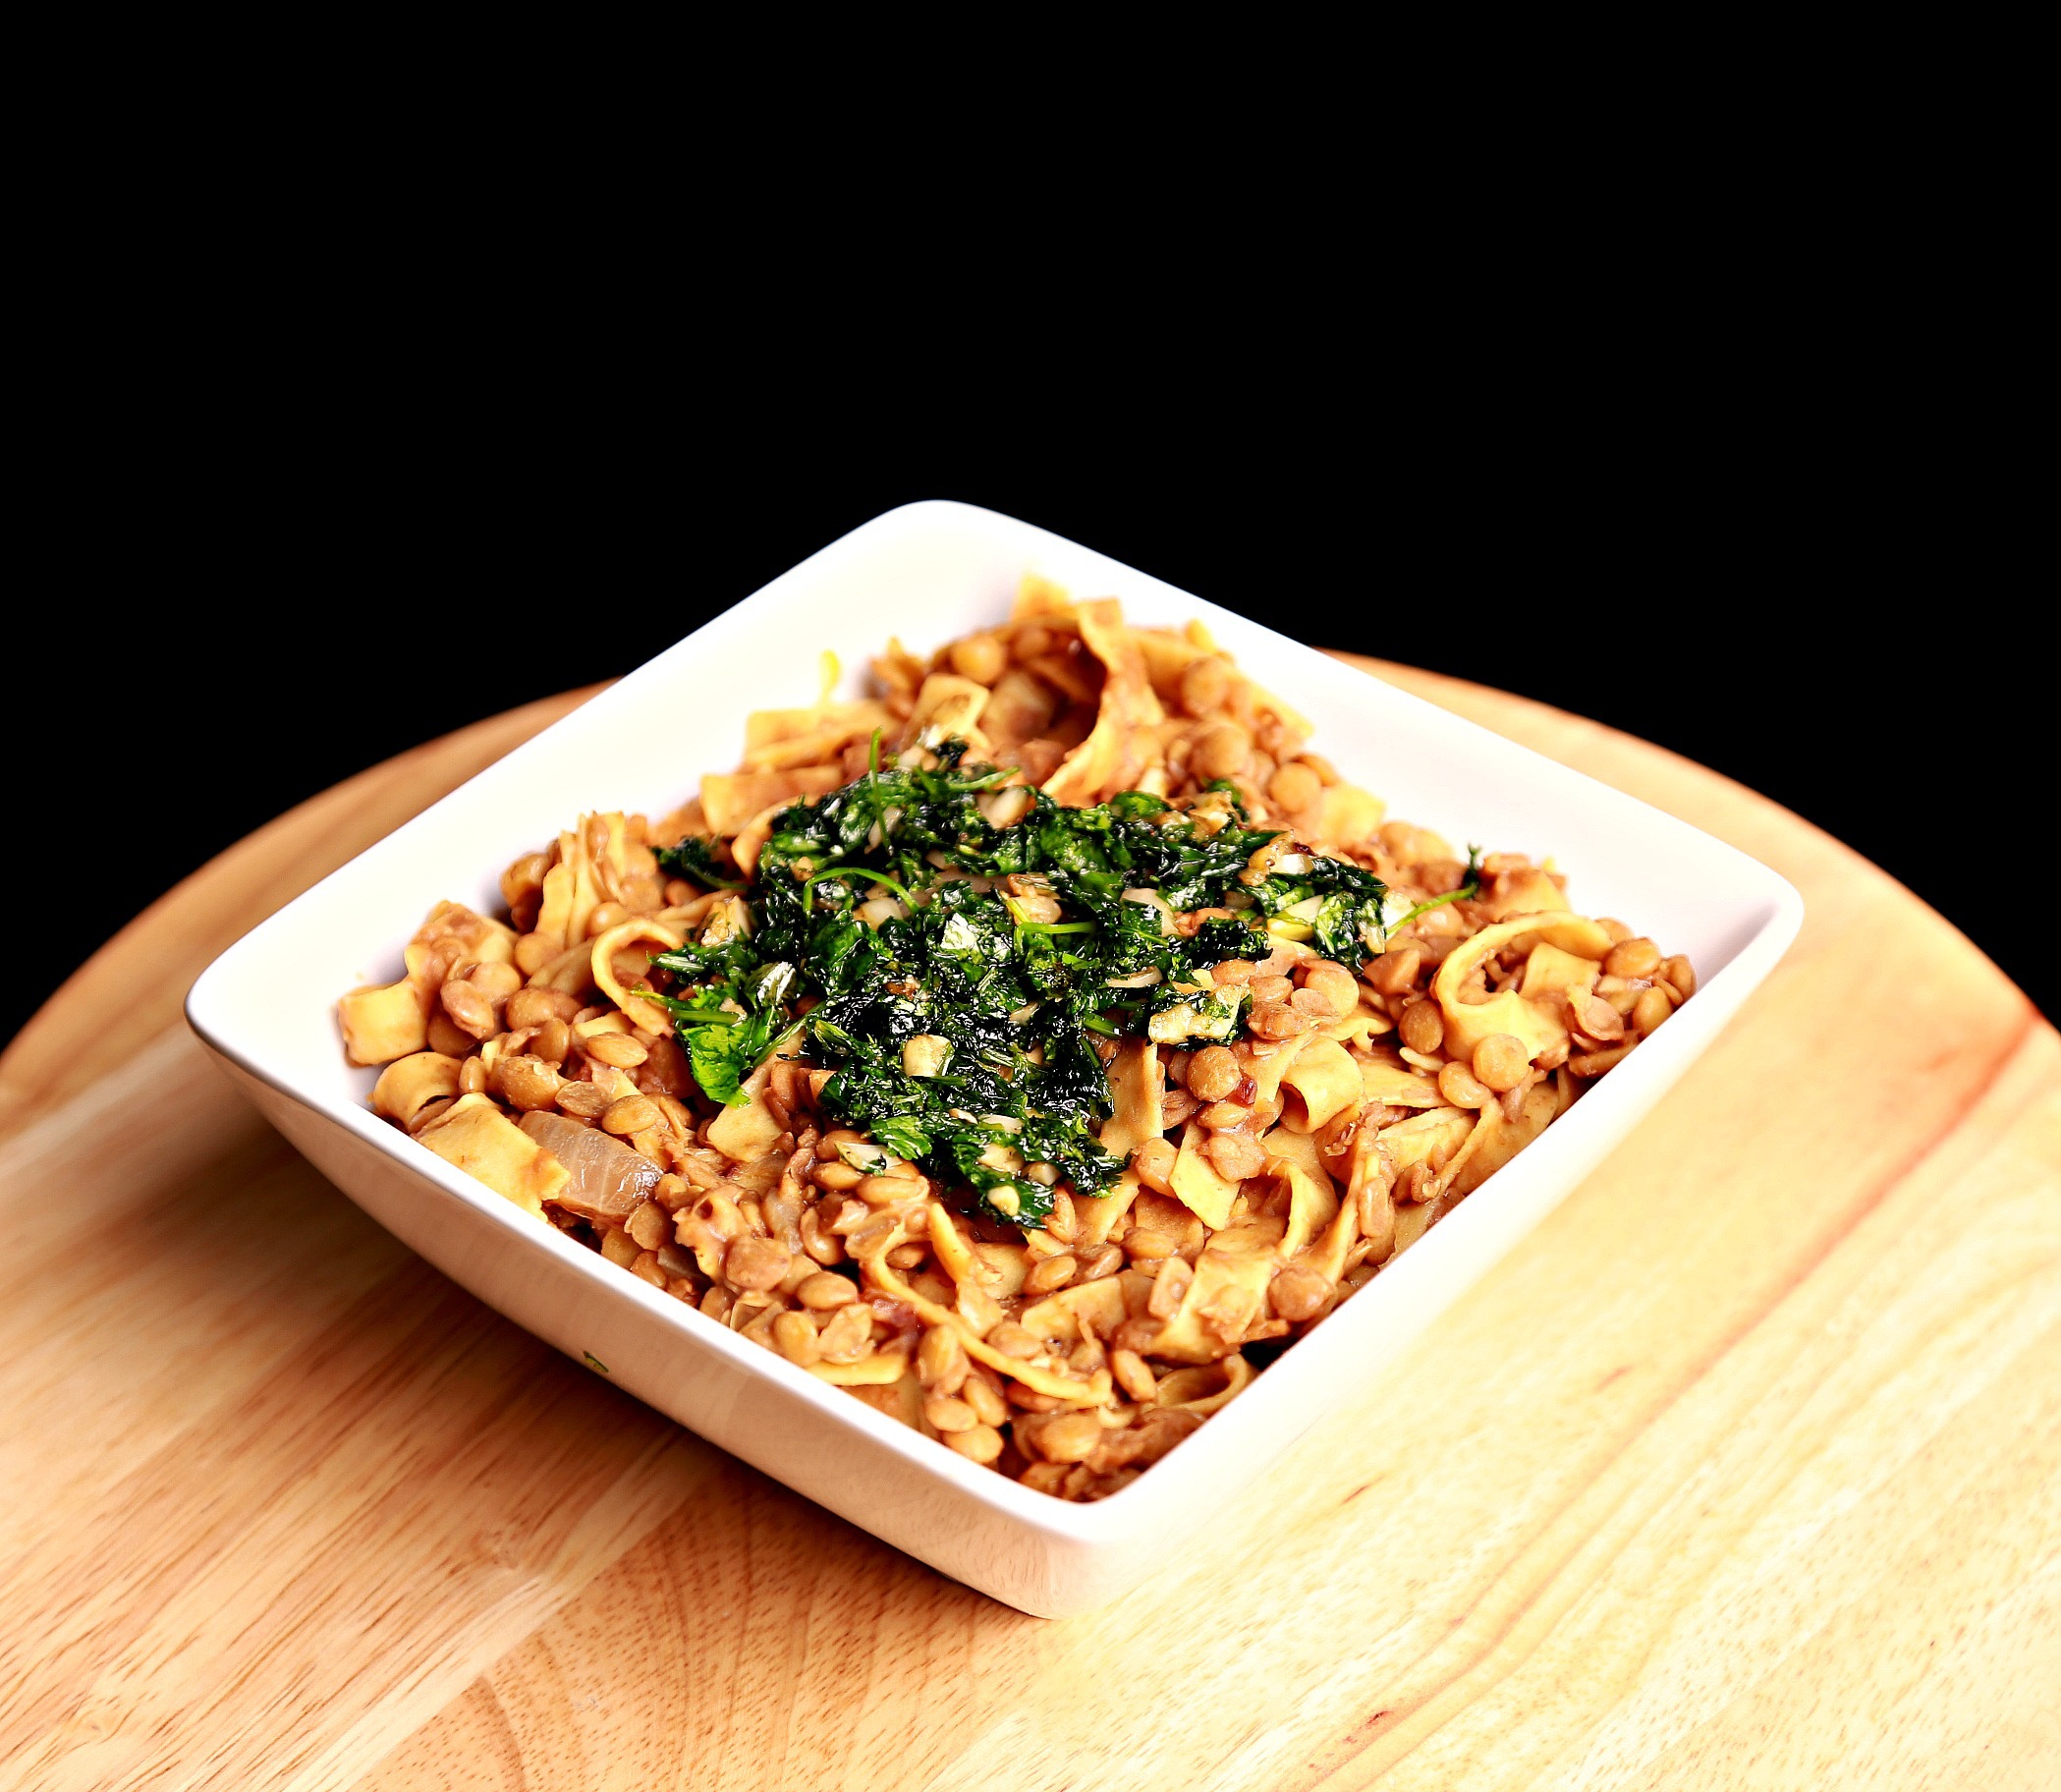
x: 1034, y: 1048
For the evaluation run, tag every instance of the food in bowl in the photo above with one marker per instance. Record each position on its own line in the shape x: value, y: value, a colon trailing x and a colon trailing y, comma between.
x: 1034, y: 1048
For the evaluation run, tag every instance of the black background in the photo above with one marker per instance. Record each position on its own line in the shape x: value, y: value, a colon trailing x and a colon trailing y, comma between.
x: 254, y: 606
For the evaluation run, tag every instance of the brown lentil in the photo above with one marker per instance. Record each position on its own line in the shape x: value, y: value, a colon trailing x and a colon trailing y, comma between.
x: 948, y: 1414
x: 605, y: 915
x: 1204, y: 684
x: 1144, y: 1246
x: 940, y: 1359
x: 979, y: 657
x: 1424, y: 1027
x: 1132, y: 1375
x: 1212, y: 1074
x: 649, y: 1224
x: 1500, y: 1062
x: 1297, y: 1294
x: 847, y: 1214
x: 1223, y: 751
x: 524, y: 875
x: 1103, y: 1259
x: 798, y: 1339
x: 1031, y: 641
x: 496, y: 982
x: 1235, y: 1157
x: 1597, y: 1018
x: 981, y: 1394
x: 1293, y: 787
x: 616, y: 1049
x: 527, y: 1083
x: 823, y: 1291
x: 447, y: 1036
x: 885, y: 1190
x: 849, y: 1335
x: 756, y: 1264
x: 1652, y: 1008
x: 821, y: 1246
x: 1154, y: 1164
x: 1276, y: 1021
x: 1138, y: 1334
x: 533, y: 1007
x: 1012, y: 1340
x: 983, y: 1444
x: 1049, y: 1275
x: 872, y: 1235
x: 1633, y: 958
x: 631, y: 1114
x: 1069, y: 1437
x: 1338, y: 984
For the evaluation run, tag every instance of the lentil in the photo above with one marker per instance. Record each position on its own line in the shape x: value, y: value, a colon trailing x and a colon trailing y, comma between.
x: 983, y: 1444
x: 1424, y: 1027
x: 1132, y: 1375
x: 798, y: 1339
x: 1297, y: 1294
x: 631, y: 1114
x: 756, y: 1264
x: 1500, y: 1062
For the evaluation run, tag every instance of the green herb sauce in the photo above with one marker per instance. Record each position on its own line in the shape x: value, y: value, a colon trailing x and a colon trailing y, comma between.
x: 1020, y: 1000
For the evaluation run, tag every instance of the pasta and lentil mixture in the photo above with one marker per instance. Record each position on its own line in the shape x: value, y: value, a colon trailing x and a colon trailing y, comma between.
x: 1032, y: 1049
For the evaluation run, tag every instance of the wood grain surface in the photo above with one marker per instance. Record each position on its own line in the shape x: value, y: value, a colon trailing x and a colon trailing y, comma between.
x: 1744, y: 1471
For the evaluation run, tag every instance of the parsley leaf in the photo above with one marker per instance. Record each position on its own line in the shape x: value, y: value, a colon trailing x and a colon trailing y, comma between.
x: 695, y: 859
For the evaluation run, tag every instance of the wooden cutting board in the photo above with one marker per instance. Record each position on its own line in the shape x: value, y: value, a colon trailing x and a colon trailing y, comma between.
x: 1744, y: 1471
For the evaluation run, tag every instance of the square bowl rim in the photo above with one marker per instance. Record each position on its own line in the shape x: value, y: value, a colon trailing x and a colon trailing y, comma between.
x: 1081, y: 1523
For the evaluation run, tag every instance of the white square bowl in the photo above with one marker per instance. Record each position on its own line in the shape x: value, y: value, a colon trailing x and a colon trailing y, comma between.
x: 926, y: 573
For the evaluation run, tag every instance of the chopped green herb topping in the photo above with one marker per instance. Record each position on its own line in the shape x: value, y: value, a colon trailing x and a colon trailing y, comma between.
x: 1465, y: 892
x: 891, y: 919
x: 695, y: 858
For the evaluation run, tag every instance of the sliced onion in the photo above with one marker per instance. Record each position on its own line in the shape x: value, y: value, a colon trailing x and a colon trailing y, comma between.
x: 606, y: 1177
x: 1152, y: 899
